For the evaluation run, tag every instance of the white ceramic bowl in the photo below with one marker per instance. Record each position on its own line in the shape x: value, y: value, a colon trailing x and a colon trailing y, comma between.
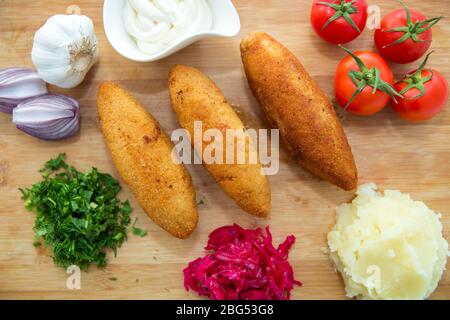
x: 226, y: 23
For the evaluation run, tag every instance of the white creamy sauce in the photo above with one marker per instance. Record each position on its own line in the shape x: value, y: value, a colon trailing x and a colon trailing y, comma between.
x: 156, y: 24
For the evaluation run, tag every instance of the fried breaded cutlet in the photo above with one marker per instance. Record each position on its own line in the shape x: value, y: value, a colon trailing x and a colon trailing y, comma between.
x: 195, y: 97
x: 142, y: 154
x: 294, y: 103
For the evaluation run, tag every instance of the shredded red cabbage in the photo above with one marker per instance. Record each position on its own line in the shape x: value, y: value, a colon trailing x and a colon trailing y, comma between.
x: 243, y: 265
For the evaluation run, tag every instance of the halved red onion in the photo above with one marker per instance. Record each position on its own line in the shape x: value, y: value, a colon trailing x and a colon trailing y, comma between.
x: 18, y: 84
x: 48, y: 117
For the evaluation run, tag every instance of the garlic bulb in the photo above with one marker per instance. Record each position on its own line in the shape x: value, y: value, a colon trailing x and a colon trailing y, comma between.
x: 64, y: 50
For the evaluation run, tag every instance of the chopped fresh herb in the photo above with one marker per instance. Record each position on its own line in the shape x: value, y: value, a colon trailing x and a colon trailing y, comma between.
x: 138, y: 231
x: 54, y: 164
x: 78, y: 214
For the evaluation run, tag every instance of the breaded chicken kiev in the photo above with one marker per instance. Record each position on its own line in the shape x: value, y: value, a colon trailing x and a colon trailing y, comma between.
x: 195, y: 97
x: 142, y: 154
x: 295, y: 104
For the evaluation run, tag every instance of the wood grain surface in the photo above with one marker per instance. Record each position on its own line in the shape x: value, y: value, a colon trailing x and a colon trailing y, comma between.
x: 388, y: 151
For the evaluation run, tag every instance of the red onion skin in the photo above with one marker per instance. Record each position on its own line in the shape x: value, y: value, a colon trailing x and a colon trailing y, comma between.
x: 23, y: 78
x: 52, y: 129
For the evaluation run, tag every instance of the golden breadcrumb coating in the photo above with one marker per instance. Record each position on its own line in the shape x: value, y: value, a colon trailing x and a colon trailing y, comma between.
x: 294, y: 103
x: 141, y: 152
x: 195, y: 97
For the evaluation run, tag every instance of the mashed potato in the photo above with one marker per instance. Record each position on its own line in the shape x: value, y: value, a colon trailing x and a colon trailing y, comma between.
x: 388, y: 246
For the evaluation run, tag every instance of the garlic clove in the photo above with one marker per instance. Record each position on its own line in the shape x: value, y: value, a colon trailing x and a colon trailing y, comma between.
x: 63, y: 77
x: 50, y: 59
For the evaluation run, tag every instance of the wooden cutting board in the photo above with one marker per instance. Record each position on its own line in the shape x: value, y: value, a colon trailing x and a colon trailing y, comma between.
x: 388, y: 151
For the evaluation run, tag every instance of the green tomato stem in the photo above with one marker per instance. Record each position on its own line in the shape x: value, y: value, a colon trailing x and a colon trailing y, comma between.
x: 345, y: 10
x: 412, y: 29
x: 416, y: 80
x: 368, y: 77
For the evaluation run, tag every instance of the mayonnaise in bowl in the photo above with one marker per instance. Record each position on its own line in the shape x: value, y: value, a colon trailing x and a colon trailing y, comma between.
x: 156, y: 24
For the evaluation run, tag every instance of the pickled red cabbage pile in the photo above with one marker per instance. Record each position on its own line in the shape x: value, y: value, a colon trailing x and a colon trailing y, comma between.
x: 242, y: 265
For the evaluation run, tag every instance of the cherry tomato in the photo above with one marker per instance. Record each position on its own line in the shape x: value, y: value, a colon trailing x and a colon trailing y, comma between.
x: 339, y: 21
x: 404, y: 35
x: 364, y: 83
x: 425, y: 93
